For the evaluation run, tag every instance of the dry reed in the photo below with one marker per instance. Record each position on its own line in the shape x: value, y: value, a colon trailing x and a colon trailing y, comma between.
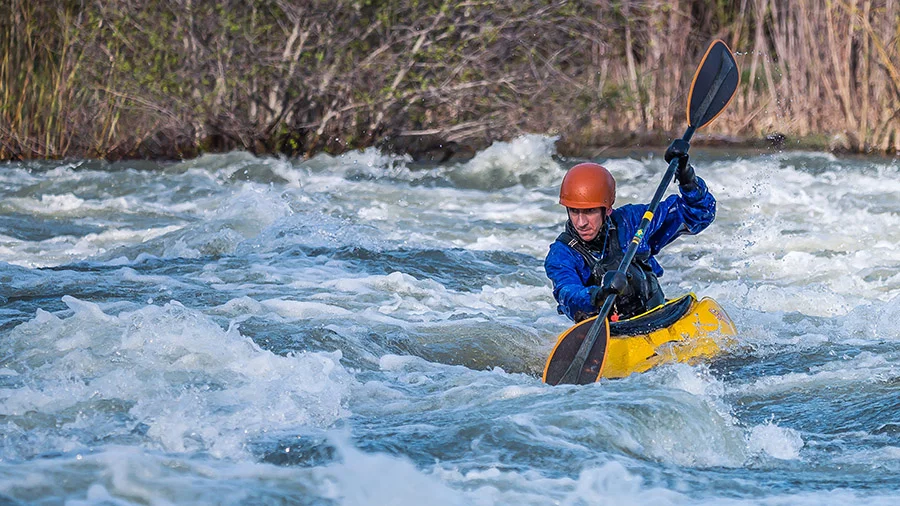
x: 175, y: 77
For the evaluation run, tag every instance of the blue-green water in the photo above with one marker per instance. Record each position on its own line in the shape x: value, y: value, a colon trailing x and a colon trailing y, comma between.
x: 364, y: 330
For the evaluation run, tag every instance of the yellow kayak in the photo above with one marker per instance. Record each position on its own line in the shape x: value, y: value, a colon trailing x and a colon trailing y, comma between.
x: 681, y: 330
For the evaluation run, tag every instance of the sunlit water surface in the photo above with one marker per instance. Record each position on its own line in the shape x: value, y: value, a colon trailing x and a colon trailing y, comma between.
x: 363, y: 330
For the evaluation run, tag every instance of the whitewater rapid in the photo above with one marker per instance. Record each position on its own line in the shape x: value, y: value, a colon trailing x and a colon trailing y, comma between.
x: 366, y: 329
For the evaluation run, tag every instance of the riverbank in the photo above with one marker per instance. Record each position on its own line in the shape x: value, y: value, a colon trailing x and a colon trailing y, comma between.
x: 432, y: 150
x: 637, y: 145
x: 171, y: 80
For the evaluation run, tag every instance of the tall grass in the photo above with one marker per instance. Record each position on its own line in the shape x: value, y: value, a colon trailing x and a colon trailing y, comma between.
x: 822, y: 67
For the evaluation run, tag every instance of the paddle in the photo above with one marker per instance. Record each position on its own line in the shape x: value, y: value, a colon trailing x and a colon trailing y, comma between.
x: 712, y: 89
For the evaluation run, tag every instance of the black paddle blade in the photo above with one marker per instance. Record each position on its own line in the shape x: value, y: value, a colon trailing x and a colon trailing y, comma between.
x: 566, y: 348
x: 714, y: 84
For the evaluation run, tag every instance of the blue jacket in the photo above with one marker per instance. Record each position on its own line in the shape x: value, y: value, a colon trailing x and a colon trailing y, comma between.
x: 687, y: 213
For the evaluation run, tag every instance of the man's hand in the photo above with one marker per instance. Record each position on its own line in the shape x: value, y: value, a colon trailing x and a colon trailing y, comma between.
x: 685, y: 176
x: 614, y: 282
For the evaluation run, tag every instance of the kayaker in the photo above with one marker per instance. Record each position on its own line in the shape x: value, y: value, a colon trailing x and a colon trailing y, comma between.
x: 583, y: 261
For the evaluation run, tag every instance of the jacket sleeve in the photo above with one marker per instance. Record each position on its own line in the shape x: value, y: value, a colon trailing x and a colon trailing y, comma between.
x: 685, y: 214
x: 569, y: 273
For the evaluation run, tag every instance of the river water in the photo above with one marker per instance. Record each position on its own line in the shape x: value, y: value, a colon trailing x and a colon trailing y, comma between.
x: 362, y: 330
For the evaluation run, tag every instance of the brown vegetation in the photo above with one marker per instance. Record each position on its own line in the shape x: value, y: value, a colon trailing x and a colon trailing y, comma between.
x: 174, y: 78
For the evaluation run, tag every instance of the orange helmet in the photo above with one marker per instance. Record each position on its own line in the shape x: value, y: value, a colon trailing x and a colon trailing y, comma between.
x: 586, y: 186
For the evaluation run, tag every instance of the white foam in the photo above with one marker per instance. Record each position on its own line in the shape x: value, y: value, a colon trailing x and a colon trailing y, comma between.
x: 779, y: 442
x: 119, y: 475
x: 526, y: 160
x: 363, y: 479
x: 303, y: 309
x: 195, y: 386
x: 616, y: 485
x: 875, y: 321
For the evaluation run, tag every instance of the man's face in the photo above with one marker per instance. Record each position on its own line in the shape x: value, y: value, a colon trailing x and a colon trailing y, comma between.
x: 587, y: 222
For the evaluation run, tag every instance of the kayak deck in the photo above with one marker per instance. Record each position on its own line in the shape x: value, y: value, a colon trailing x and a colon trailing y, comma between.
x: 681, y: 330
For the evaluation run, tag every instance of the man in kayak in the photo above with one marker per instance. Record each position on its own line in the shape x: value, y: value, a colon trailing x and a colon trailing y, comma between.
x: 583, y: 261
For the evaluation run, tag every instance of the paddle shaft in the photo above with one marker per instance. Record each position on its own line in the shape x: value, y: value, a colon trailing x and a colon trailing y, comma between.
x: 574, y: 370
x: 712, y: 88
